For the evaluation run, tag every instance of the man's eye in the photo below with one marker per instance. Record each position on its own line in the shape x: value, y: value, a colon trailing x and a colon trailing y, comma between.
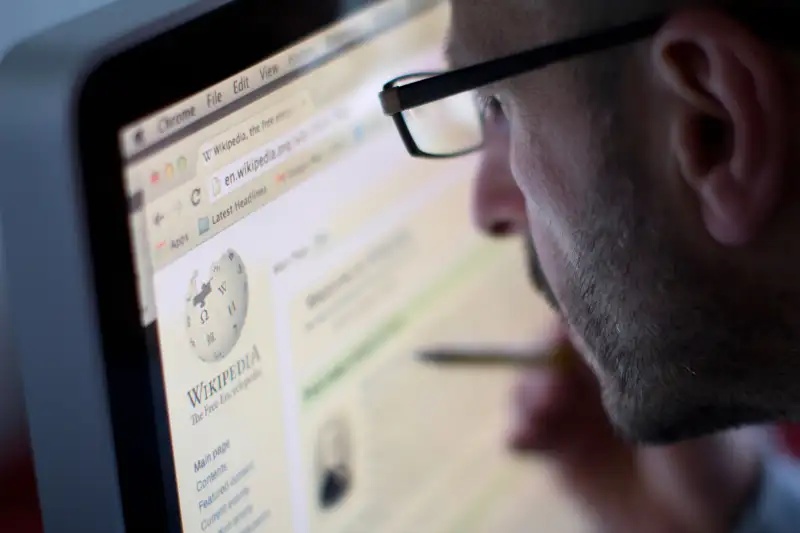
x: 491, y: 109
x: 489, y: 105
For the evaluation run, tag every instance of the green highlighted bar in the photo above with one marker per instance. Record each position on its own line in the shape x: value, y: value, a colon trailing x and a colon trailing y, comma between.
x: 398, y: 322
x: 360, y: 353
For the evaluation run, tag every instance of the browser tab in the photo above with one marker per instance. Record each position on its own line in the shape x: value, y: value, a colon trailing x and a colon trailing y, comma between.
x: 267, y: 123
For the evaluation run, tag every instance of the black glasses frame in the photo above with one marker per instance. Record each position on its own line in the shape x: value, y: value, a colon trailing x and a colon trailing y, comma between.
x: 437, y: 86
x: 400, y: 121
x: 779, y: 24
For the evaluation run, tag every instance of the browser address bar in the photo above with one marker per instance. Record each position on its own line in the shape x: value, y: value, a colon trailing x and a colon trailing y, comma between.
x: 359, y: 105
x: 270, y: 155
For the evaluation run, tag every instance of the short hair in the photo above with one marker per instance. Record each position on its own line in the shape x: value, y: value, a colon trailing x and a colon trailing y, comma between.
x: 601, y: 13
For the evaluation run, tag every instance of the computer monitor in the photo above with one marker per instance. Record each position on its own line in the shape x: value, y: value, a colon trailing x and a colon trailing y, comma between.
x: 282, y: 259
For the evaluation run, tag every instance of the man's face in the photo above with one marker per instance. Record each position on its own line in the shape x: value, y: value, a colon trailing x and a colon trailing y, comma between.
x: 671, y: 344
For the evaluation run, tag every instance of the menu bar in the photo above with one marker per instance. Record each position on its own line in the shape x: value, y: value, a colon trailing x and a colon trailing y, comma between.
x: 161, y: 125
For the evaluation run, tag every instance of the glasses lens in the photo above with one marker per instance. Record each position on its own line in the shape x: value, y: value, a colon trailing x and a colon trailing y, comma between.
x: 446, y: 127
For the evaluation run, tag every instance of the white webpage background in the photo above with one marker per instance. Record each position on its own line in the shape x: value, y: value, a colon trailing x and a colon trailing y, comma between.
x: 275, y: 231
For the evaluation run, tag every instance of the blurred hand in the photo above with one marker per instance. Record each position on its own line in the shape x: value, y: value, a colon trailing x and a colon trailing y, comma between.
x: 692, y: 487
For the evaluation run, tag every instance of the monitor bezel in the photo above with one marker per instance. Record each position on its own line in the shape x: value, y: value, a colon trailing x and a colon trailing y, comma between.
x: 121, y: 90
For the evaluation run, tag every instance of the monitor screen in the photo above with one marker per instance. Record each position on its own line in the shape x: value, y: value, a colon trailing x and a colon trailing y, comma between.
x: 291, y: 258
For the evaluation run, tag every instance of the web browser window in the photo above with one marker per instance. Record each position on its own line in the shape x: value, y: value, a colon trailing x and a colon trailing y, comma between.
x: 292, y: 257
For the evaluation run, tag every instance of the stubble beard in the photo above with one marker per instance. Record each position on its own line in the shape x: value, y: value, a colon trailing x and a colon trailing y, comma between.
x: 673, y: 340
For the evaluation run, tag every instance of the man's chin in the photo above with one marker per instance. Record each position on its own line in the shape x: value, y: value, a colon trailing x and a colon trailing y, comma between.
x: 653, y: 425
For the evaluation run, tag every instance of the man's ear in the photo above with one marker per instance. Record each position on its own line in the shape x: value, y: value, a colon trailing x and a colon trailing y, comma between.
x: 729, y: 135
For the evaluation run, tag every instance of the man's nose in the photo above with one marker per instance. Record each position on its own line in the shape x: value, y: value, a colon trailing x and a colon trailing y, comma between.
x: 498, y: 204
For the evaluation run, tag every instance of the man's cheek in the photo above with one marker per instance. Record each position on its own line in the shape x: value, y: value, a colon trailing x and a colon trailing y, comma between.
x: 556, y: 268
x: 537, y: 173
x: 548, y: 254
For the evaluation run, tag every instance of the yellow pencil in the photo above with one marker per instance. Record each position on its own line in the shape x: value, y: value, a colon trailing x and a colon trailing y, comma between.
x: 559, y: 356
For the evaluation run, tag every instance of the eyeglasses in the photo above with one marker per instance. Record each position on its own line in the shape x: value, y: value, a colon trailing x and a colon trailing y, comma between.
x: 438, y: 116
